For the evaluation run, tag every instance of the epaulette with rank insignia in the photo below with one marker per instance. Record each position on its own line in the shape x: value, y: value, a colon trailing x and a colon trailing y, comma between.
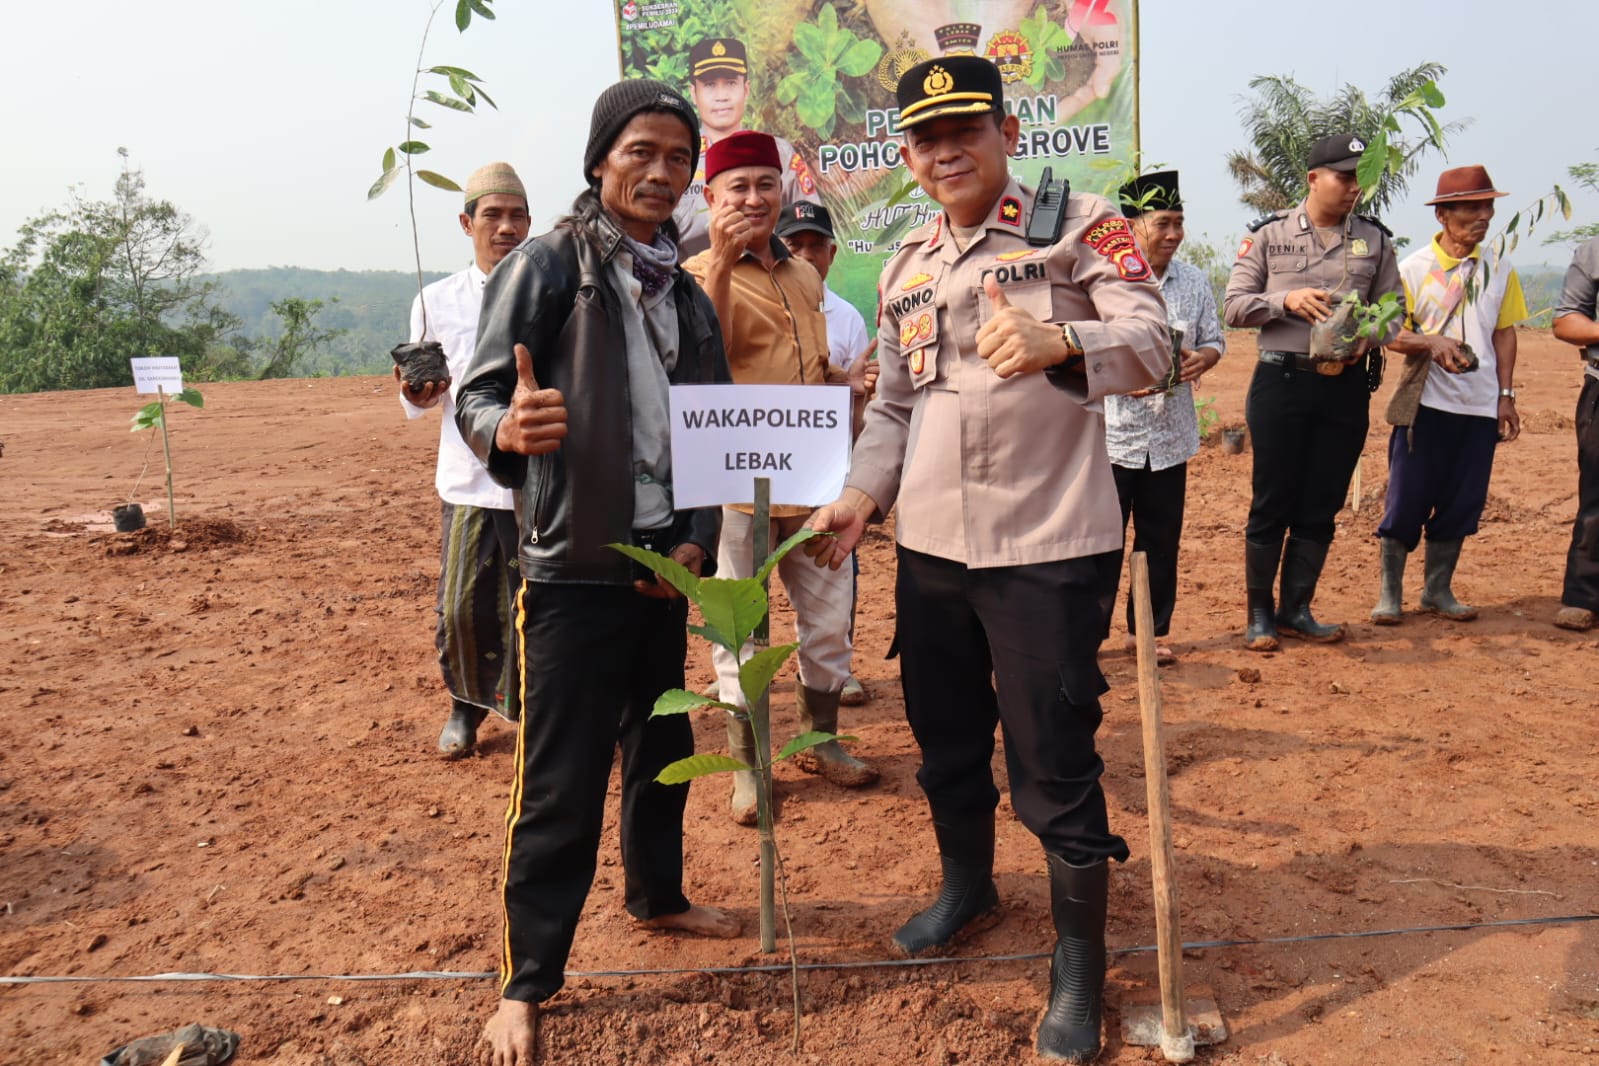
x: 1375, y: 221
x: 1268, y: 217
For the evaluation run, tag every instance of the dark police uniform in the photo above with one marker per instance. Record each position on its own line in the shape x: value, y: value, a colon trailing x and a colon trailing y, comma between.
x: 1308, y: 420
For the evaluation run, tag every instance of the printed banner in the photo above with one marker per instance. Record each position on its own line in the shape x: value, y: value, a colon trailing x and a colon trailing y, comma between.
x: 820, y: 75
x: 726, y: 436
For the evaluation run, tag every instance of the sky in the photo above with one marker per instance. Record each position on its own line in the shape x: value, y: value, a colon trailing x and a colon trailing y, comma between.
x: 267, y: 121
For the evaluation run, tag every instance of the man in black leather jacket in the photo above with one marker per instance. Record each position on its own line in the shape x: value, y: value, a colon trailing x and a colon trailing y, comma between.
x: 600, y: 313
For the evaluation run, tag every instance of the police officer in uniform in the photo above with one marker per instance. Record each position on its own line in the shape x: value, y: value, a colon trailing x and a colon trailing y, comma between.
x: 1307, y: 417
x: 999, y: 334
x: 718, y: 73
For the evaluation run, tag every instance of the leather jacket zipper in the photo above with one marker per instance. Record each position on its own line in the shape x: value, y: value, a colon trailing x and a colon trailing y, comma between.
x: 538, y: 500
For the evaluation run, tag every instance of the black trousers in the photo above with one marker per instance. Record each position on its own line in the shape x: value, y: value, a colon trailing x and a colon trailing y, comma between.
x: 1154, y: 500
x: 1035, y: 630
x: 1582, y: 559
x: 1308, y: 430
x: 594, y: 659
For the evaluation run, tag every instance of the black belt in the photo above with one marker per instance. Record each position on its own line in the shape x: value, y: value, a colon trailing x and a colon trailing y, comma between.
x: 1303, y: 361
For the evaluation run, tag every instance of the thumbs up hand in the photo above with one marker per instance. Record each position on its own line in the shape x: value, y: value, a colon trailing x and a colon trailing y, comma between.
x: 536, y: 420
x: 1013, y: 341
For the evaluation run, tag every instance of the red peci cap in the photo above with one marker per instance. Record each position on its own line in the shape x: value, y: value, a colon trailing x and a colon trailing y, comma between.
x: 746, y: 148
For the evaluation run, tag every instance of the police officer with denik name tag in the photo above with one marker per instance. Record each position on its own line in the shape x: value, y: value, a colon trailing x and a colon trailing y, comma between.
x: 1307, y: 416
x: 997, y: 339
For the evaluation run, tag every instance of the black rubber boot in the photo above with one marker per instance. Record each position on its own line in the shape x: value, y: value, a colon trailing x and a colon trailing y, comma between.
x: 966, y: 853
x: 1436, y: 595
x: 1260, y: 573
x: 1069, y: 1031
x: 1390, y: 601
x: 1302, y: 563
x: 459, y: 735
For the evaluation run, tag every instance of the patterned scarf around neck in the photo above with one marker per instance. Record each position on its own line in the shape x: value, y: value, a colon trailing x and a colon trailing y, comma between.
x: 653, y: 263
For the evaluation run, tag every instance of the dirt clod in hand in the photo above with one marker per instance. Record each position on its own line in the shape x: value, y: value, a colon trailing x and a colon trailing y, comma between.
x: 421, y: 363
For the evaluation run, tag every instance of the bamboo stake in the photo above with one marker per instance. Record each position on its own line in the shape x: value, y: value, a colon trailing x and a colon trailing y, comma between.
x: 1177, y: 1039
x: 166, y: 449
x: 761, y: 728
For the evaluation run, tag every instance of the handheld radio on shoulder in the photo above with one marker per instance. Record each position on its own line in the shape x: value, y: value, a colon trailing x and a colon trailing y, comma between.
x: 1049, y: 210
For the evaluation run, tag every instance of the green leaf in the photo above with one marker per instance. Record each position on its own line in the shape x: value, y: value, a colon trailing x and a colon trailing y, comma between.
x: 789, y: 88
x: 419, y: 124
x: 1373, y: 161
x: 815, y: 104
x: 149, y: 415
x: 413, y: 147
x: 487, y: 99
x: 860, y: 57
x: 676, y: 574
x: 808, y: 740
x: 191, y: 397
x: 459, y: 72
x: 827, y: 19
x: 381, y: 186
x: 438, y: 181
x: 811, y: 42
x: 450, y: 102
x: 715, y: 636
x: 682, y: 701
x: 851, y: 108
x: 482, y: 8
x: 1431, y: 95
x: 901, y: 193
x: 388, y: 160
x: 685, y: 770
x: 733, y: 607
x: 463, y: 15
x: 460, y: 88
x: 755, y: 673
x: 765, y: 572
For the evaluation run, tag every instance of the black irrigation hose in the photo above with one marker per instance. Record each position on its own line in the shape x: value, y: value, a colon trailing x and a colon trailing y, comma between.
x: 470, y: 975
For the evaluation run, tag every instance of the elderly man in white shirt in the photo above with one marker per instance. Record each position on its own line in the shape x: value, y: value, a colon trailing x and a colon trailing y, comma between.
x: 806, y: 229
x: 478, y: 576
x: 1151, y: 434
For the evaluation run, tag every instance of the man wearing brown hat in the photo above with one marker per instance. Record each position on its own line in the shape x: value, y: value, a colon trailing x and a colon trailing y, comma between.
x: 769, y: 303
x: 478, y: 576
x: 1577, y: 322
x: 1307, y: 415
x: 583, y: 331
x: 999, y: 335
x: 719, y: 79
x: 1456, y: 399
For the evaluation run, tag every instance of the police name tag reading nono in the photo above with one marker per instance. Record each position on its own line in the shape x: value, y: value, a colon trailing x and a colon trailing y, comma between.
x: 726, y: 436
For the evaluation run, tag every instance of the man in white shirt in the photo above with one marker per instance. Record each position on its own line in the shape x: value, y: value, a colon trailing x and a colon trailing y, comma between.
x: 478, y: 577
x: 807, y: 231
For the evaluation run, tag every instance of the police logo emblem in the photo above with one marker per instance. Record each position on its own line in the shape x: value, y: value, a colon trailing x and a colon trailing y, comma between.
x: 918, y: 360
x: 896, y: 62
x: 938, y: 82
x: 718, y: 49
x: 924, y: 327
x: 1012, y: 54
x: 1356, y: 144
x: 1358, y: 247
x: 907, y: 333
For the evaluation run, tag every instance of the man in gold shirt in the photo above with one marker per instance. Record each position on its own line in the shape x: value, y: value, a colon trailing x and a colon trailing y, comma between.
x: 770, y: 306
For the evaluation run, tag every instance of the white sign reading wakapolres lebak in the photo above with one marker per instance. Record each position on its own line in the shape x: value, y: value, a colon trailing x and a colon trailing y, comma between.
x: 726, y: 436
x: 157, y: 373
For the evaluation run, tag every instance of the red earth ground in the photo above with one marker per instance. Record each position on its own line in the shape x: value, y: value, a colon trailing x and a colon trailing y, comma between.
x: 216, y: 755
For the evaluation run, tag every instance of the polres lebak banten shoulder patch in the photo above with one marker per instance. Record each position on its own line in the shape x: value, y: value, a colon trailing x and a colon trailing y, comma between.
x: 1113, y: 240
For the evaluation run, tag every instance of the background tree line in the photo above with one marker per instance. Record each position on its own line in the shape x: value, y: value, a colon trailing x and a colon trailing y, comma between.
x: 89, y: 285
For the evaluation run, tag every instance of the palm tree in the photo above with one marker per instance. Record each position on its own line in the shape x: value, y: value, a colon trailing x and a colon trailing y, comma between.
x: 1284, y: 119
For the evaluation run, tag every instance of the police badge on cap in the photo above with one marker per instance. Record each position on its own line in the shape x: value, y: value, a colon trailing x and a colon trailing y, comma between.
x: 949, y: 85
x: 718, y: 56
x: 1339, y: 152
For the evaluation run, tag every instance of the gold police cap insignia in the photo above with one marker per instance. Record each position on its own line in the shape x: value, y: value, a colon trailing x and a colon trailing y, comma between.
x: 718, y: 49
x: 937, y: 82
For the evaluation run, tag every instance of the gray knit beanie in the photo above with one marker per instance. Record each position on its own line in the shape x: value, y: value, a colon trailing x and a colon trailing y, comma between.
x: 615, y: 109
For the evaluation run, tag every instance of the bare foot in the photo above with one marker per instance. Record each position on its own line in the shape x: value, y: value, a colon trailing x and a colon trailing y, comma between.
x: 701, y: 921
x: 512, y: 1033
